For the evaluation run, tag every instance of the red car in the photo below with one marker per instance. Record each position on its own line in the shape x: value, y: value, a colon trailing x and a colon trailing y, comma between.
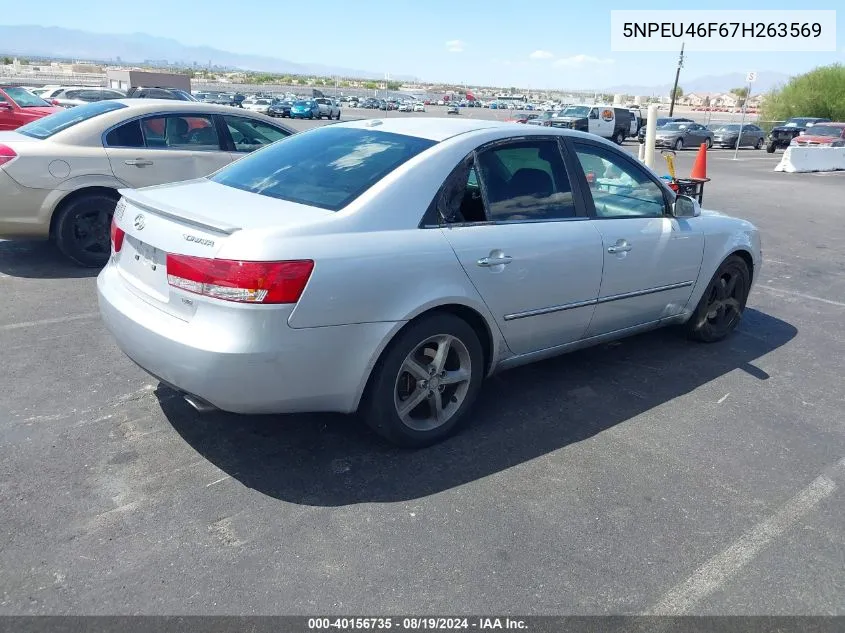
x: 822, y: 135
x: 522, y: 118
x: 19, y: 106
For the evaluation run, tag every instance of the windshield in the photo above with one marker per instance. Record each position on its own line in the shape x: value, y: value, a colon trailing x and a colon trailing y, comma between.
x: 727, y: 128
x: 55, y: 123
x: 673, y: 127
x: 25, y: 99
x: 328, y: 167
x: 798, y: 122
x: 577, y: 111
x: 824, y: 130
x: 303, y: 104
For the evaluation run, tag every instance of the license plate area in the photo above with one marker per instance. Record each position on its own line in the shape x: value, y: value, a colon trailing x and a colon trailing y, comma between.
x: 145, y: 267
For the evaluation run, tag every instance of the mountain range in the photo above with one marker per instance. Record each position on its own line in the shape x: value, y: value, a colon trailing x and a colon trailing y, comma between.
x: 61, y: 43
x: 766, y: 80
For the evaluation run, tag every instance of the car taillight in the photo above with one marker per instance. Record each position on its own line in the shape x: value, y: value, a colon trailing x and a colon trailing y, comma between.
x: 240, y: 281
x: 7, y: 154
x: 117, y: 235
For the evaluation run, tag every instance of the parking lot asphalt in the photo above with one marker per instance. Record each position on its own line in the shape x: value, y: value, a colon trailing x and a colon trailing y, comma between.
x: 647, y: 475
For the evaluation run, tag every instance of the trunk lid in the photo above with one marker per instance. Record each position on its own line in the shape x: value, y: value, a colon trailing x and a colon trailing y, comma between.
x: 189, y: 218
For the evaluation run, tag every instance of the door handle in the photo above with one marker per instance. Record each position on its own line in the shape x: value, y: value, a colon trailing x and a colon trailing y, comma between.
x: 138, y: 162
x: 487, y: 262
x: 621, y: 246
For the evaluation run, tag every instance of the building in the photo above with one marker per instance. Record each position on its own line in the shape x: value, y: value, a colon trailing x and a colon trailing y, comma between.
x: 122, y: 79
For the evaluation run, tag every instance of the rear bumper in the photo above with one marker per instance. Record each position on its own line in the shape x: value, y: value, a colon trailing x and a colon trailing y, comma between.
x: 24, y: 212
x: 244, y: 360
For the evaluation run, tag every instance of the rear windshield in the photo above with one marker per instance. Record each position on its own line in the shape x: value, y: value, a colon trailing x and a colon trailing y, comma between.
x: 55, y: 123
x: 328, y: 167
x: 25, y: 99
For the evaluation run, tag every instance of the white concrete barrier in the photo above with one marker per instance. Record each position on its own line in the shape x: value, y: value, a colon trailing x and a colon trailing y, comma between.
x: 806, y: 159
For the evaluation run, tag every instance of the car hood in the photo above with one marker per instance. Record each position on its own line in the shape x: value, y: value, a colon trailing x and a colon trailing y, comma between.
x: 783, y: 128
x: 41, y: 111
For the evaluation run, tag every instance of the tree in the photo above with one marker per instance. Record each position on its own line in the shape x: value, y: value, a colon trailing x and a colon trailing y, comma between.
x: 371, y: 85
x: 818, y: 93
x: 679, y: 92
x: 707, y: 101
x: 741, y: 94
x: 8, y: 61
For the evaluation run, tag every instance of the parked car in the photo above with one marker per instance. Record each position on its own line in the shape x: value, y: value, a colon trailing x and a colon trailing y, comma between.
x: 523, y: 118
x: 328, y: 108
x: 305, y: 109
x: 156, y: 92
x: 405, y: 107
x: 73, y: 97
x: 59, y: 175
x: 280, y: 109
x: 544, y: 117
x: 822, y: 135
x: 781, y: 136
x: 678, y: 135
x: 661, y: 121
x: 419, y: 107
x: 452, y: 109
x: 728, y: 136
x: 261, y: 105
x: 246, y: 311
x: 19, y: 107
x: 602, y: 120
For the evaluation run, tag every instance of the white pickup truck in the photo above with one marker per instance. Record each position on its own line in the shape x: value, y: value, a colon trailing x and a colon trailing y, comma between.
x: 328, y: 108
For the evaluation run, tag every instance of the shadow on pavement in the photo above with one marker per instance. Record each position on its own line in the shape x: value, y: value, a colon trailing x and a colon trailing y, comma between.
x: 330, y: 460
x: 39, y: 260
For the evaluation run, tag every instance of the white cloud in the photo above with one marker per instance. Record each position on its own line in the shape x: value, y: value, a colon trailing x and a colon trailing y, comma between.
x: 455, y: 46
x: 539, y: 54
x: 577, y: 61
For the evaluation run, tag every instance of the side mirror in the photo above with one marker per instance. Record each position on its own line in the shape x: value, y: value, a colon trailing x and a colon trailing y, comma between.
x: 685, y: 207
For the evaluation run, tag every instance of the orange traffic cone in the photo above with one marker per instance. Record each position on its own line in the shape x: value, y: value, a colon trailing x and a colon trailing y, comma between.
x: 699, y: 167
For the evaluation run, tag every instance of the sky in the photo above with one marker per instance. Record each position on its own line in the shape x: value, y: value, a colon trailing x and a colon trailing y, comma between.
x: 495, y: 42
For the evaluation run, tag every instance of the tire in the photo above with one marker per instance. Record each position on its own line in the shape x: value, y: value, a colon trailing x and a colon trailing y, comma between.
x: 392, y: 384
x: 708, y: 143
x: 338, y: 117
x: 770, y: 148
x: 759, y: 144
x: 82, y: 229
x: 718, y: 314
x: 619, y: 138
x: 679, y: 145
x: 311, y: 116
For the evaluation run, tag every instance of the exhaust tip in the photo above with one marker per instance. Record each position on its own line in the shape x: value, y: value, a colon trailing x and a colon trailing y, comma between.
x: 199, y: 405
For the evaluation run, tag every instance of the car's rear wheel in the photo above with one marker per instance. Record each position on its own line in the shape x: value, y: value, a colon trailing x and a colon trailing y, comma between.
x: 759, y: 144
x: 721, y: 306
x: 619, y: 138
x: 82, y: 229
x: 679, y: 145
x: 425, y: 382
x: 708, y: 143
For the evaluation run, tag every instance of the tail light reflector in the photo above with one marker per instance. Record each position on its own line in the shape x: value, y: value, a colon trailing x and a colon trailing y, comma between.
x: 117, y: 235
x: 7, y: 154
x: 240, y: 281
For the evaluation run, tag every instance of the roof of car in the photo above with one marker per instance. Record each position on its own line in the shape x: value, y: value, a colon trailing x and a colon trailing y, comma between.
x: 435, y: 129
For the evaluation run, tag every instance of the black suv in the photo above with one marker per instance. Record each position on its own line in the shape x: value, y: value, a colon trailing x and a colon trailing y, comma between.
x: 782, y: 135
x: 156, y: 92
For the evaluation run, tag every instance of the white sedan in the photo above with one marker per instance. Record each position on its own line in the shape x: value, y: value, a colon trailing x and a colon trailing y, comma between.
x: 444, y: 251
x: 419, y: 107
x: 262, y: 106
x: 59, y: 175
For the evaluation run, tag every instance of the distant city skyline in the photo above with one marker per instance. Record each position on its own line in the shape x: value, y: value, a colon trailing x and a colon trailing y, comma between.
x: 469, y: 41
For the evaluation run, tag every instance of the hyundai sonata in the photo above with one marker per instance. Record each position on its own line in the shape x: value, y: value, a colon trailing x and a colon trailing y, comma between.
x: 387, y: 267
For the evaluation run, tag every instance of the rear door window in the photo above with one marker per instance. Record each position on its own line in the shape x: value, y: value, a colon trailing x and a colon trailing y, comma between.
x: 185, y: 132
x: 249, y: 134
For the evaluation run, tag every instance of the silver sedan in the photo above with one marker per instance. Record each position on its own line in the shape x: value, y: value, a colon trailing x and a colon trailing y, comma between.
x: 388, y: 266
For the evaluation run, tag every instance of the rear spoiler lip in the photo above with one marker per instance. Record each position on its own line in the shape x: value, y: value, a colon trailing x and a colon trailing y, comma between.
x: 138, y: 199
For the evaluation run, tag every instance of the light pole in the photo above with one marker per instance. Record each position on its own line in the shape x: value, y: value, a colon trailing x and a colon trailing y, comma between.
x: 677, y: 76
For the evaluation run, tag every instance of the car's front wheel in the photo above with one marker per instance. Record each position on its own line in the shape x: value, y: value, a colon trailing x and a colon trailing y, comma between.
x: 708, y: 142
x: 425, y: 382
x: 679, y: 145
x: 82, y: 229
x: 759, y: 144
x: 721, y: 306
